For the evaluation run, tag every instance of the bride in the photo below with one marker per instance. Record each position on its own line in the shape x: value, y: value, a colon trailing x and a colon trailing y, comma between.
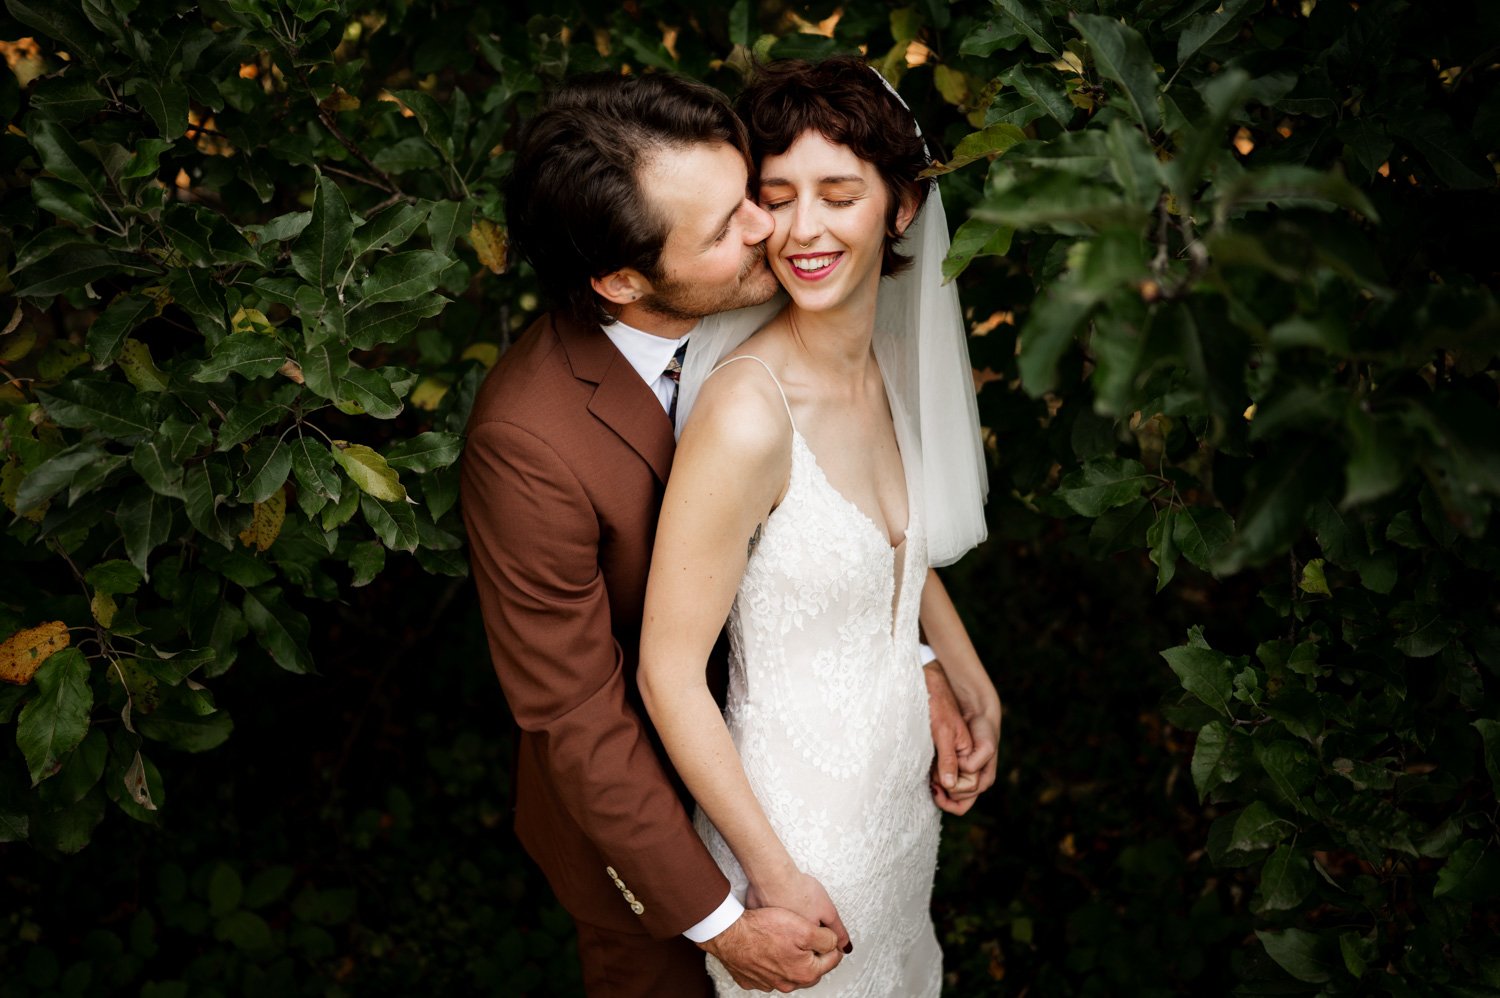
x: 801, y: 508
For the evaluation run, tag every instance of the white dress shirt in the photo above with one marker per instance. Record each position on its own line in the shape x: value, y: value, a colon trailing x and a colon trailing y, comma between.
x: 648, y: 354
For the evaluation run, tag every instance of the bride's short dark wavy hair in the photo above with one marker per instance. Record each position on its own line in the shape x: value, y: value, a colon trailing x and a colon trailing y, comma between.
x: 843, y: 100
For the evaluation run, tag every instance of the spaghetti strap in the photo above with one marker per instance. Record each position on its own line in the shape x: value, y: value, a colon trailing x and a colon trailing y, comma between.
x: 774, y: 379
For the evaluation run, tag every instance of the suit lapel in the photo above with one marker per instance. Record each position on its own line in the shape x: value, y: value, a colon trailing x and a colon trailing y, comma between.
x: 621, y: 400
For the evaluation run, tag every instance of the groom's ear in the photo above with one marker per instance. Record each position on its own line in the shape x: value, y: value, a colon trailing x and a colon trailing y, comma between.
x: 622, y: 286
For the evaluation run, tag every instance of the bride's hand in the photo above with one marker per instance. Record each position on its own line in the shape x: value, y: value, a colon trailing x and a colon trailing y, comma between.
x: 804, y: 895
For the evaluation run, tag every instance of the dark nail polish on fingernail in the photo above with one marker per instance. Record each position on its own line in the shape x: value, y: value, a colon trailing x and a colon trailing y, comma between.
x: 848, y: 948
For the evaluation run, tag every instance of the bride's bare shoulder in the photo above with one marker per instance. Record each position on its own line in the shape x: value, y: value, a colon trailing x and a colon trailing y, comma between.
x: 740, y: 411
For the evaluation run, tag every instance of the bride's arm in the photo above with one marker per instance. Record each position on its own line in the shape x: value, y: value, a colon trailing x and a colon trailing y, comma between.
x: 972, y: 687
x: 729, y: 471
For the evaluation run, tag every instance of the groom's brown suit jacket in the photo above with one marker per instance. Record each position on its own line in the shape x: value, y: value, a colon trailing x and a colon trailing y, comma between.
x: 562, y: 478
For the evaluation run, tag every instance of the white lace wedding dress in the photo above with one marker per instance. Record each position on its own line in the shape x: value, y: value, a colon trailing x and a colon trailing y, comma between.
x: 828, y: 709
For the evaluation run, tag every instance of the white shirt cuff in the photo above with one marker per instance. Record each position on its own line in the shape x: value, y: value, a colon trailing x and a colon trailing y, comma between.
x: 718, y: 920
x: 928, y: 655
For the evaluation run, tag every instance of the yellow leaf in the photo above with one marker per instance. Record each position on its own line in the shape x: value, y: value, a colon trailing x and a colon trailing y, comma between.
x: 104, y: 607
x: 10, y: 481
x: 18, y: 345
x: 428, y: 394
x: 952, y: 85
x: 135, y: 360
x: 491, y: 243
x: 265, y: 521
x: 339, y: 100
x: 24, y: 651
x: 485, y: 353
x: 251, y: 320
x: 369, y: 471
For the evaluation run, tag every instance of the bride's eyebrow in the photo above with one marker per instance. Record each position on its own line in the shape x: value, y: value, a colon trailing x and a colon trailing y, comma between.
x: 825, y: 181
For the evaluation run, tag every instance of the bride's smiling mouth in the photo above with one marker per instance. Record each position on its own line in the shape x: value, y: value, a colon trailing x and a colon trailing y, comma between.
x: 814, y: 266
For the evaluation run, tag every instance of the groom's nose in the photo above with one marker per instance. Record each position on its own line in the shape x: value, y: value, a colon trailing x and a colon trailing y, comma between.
x: 758, y: 223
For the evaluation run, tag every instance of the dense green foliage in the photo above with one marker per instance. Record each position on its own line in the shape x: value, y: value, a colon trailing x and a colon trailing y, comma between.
x: 1219, y: 260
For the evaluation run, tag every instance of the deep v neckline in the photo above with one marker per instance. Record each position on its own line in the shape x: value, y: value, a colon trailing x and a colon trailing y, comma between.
x: 874, y: 525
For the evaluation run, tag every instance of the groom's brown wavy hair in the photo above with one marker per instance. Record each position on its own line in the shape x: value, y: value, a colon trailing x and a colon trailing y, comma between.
x: 574, y: 203
x: 844, y: 100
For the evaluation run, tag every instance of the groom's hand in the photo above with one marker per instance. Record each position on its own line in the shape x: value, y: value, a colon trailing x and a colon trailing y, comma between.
x: 772, y: 949
x: 965, y: 733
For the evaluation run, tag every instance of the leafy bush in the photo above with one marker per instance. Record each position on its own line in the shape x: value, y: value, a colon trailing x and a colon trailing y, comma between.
x: 1257, y: 344
x: 1224, y: 254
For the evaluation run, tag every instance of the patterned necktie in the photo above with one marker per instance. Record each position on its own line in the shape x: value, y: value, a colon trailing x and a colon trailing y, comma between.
x: 674, y: 372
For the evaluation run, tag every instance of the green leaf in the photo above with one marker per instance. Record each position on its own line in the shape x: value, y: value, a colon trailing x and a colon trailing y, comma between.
x: 1472, y: 873
x: 988, y: 37
x: 152, y: 460
x: 225, y: 888
x: 1162, y: 545
x: 247, y: 419
x: 65, y: 159
x: 317, y: 478
x: 166, y: 103
x: 446, y: 221
x: 114, y: 577
x: 403, y: 276
x: 406, y: 155
x: 1121, y: 54
x: 115, y: 323
x: 365, y: 561
x: 393, y: 226
x: 1313, y: 580
x: 425, y: 452
x: 67, y: 203
x: 205, y: 487
x: 1300, y: 953
x: 369, y: 393
x: 318, y: 254
x: 1290, y: 186
x: 66, y: 99
x: 1285, y: 880
x: 1258, y: 827
x: 1103, y: 484
x: 55, y: 474
x: 282, y: 631
x: 1300, y: 712
x: 145, y: 522
x: 250, y: 355
x: 431, y: 116
x: 71, y: 266
x: 1489, y: 732
x: 246, y: 930
x: 1215, y: 26
x: 1201, y: 532
x: 975, y: 238
x: 113, y: 409
x: 1375, y: 465
x: 1203, y: 672
x: 990, y: 141
x: 1042, y: 87
x: 386, y: 323
x: 1218, y: 758
x: 53, y: 723
x: 267, y: 886
x: 369, y: 471
x: 393, y: 522
x: 1034, y: 24
x: 267, y: 466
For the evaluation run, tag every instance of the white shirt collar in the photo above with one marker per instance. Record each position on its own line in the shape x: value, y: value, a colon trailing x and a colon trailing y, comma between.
x: 646, y: 352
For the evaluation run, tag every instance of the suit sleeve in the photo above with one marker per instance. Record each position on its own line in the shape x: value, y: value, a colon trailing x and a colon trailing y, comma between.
x: 534, y: 545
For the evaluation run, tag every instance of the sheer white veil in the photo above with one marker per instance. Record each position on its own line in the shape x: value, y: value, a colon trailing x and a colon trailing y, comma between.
x: 921, y: 344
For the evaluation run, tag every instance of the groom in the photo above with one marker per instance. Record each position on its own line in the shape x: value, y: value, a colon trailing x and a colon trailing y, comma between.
x: 628, y: 198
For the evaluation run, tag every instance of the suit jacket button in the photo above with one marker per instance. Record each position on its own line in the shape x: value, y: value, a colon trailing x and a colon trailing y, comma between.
x: 637, y: 907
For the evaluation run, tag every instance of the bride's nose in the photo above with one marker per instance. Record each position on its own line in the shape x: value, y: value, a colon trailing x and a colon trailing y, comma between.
x: 805, y: 227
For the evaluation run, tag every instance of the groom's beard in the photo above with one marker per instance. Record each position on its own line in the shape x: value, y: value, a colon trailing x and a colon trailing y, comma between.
x: 677, y: 299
